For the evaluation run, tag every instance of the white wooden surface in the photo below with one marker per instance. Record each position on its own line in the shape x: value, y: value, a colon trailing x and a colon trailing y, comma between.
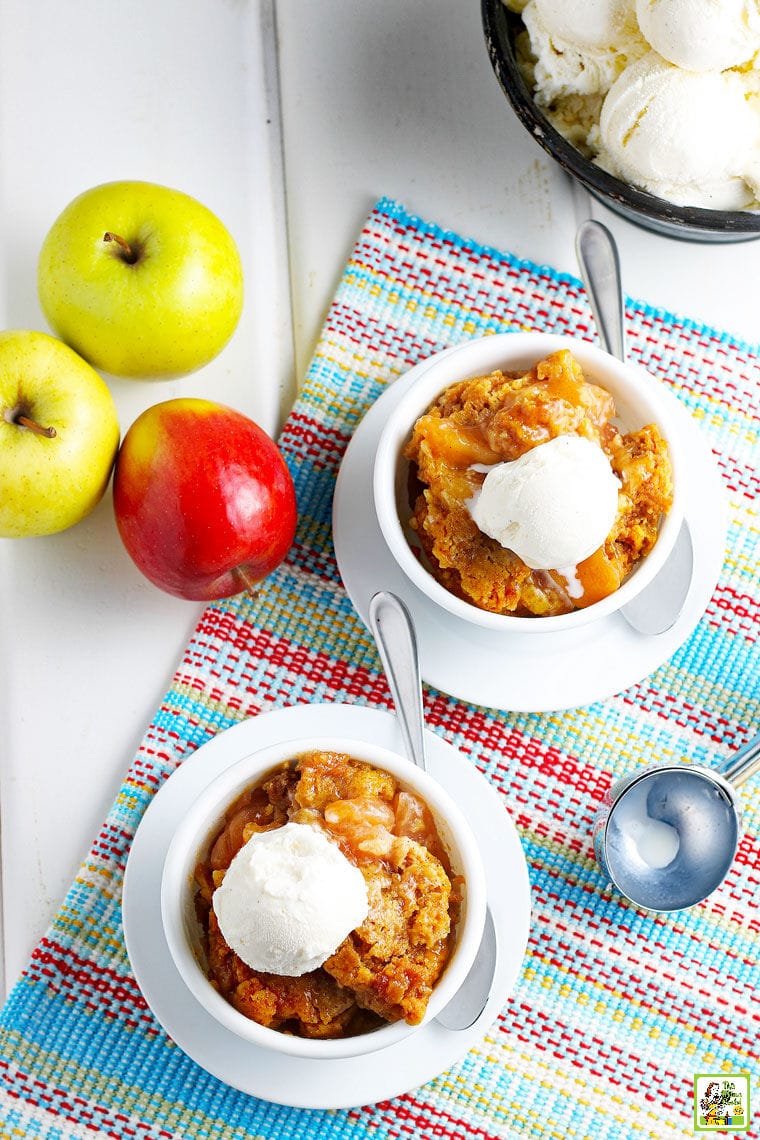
x: 289, y: 120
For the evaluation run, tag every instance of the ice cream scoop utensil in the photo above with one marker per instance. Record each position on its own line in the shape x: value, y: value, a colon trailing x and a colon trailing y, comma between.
x: 667, y: 835
x: 656, y: 609
x: 742, y: 765
x: 392, y: 626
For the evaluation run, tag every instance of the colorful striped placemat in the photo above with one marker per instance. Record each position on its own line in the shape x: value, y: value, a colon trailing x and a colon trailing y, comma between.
x: 616, y: 1010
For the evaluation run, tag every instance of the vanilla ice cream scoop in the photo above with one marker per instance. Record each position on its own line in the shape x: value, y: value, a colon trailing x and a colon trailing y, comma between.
x: 663, y: 94
x: 686, y: 136
x: 288, y: 899
x: 554, y: 506
x: 701, y: 35
x: 604, y: 24
x: 580, y: 46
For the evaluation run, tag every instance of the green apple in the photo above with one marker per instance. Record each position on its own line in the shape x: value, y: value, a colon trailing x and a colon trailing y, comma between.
x: 59, y: 434
x: 141, y: 280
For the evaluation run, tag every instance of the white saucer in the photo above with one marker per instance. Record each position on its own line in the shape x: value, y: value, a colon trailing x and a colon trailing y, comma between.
x: 521, y: 673
x: 296, y: 1081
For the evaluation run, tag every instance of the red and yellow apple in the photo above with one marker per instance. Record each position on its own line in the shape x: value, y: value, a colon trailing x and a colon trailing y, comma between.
x: 141, y: 280
x: 59, y: 433
x: 204, y: 501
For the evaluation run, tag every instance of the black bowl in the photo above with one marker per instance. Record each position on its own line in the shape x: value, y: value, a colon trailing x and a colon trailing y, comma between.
x: 686, y: 222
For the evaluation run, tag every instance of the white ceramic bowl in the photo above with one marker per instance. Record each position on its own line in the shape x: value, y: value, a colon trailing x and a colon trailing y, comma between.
x: 190, y: 842
x: 639, y: 400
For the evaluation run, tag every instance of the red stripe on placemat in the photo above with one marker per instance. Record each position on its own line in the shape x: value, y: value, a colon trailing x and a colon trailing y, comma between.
x: 739, y: 478
x: 323, y: 446
x: 480, y: 729
x: 421, y: 1114
x: 610, y: 969
x: 83, y: 982
x: 89, y: 1114
x: 405, y: 344
x: 741, y: 610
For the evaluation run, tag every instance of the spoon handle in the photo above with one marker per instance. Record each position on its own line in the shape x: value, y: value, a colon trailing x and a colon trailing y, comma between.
x: 600, y: 269
x: 393, y: 630
x: 743, y: 764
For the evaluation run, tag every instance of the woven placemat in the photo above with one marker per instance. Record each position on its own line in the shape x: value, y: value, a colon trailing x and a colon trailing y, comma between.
x: 615, y: 1010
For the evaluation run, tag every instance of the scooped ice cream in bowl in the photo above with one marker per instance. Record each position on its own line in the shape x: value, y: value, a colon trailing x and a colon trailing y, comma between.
x: 662, y: 94
x: 580, y: 48
x: 688, y: 136
x: 528, y: 481
x: 323, y: 898
x: 304, y: 893
x: 553, y: 506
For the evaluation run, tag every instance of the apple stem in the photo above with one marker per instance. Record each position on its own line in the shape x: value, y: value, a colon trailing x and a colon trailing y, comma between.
x: 38, y: 429
x: 250, y: 585
x: 127, y: 253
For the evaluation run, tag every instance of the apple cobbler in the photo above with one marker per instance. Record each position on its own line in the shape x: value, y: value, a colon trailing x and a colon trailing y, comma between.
x: 478, y: 423
x: 385, y: 969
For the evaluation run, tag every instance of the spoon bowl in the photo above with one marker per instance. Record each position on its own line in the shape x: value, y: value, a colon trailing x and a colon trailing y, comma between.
x: 666, y: 835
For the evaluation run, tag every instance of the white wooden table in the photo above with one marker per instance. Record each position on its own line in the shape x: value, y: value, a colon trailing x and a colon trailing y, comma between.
x: 289, y: 120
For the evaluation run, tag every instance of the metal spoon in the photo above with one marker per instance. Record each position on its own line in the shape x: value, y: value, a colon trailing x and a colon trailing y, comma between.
x: 393, y: 629
x: 657, y: 608
x: 467, y: 1004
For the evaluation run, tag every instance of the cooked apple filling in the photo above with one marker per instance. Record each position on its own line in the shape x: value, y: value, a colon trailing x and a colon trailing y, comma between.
x: 384, y: 970
x: 493, y: 419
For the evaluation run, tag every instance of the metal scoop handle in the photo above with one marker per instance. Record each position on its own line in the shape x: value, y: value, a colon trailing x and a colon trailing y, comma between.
x: 743, y: 764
